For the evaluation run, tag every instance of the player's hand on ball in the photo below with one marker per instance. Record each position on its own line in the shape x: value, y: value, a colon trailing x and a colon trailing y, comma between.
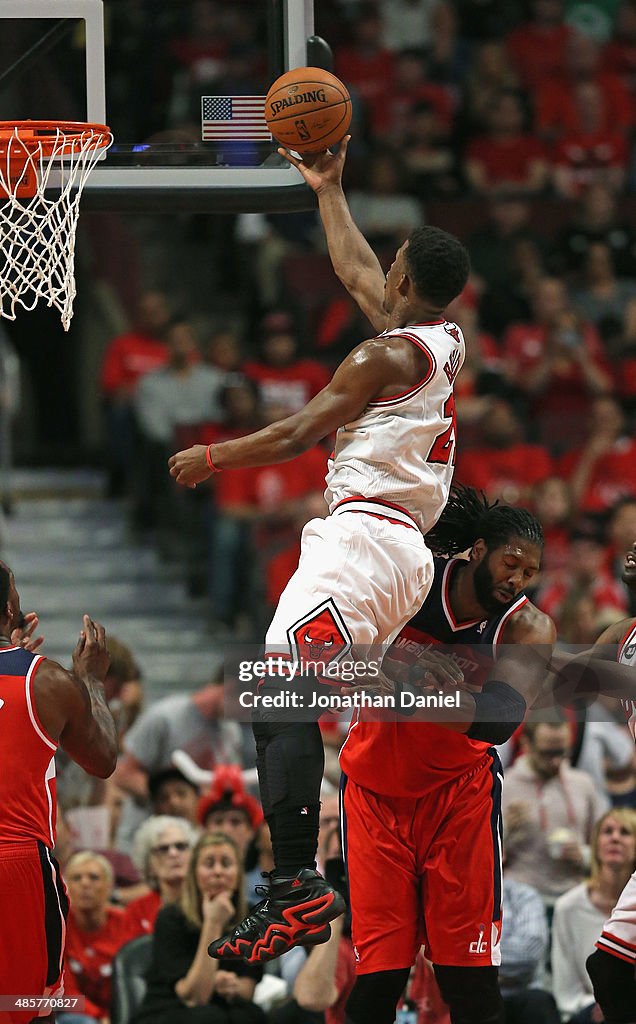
x: 22, y: 636
x: 190, y: 467
x: 438, y: 671
x: 320, y: 170
x: 377, y: 683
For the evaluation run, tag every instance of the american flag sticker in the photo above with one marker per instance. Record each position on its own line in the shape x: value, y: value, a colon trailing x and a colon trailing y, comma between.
x: 233, y: 117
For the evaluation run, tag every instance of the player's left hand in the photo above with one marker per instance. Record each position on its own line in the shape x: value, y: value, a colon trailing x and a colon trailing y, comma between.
x: 377, y: 685
x: 433, y: 669
x: 190, y: 467
x: 22, y: 636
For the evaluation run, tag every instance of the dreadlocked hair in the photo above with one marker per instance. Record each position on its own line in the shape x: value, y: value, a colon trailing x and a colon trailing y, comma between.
x: 468, y: 516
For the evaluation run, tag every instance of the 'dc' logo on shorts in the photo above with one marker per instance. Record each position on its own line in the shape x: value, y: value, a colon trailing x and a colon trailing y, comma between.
x: 321, y: 635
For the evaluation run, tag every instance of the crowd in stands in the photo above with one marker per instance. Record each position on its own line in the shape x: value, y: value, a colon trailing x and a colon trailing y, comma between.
x: 527, y: 110
x: 163, y: 882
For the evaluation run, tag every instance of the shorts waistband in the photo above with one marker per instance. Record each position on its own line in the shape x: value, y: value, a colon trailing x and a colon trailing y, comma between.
x: 18, y: 851
x: 378, y: 509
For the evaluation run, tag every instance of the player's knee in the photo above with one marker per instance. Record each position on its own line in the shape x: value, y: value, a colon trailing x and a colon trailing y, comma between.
x: 472, y: 994
x: 293, y: 757
x: 374, y: 997
x: 614, y: 986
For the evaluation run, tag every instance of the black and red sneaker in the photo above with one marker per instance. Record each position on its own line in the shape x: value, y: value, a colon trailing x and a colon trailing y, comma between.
x: 295, y: 912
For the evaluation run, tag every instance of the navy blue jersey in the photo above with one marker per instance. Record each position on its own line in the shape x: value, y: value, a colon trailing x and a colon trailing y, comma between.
x: 407, y: 758
x: 435, y: 625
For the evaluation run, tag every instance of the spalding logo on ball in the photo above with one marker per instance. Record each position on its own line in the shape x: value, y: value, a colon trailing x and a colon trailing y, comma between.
x: 308, y: 110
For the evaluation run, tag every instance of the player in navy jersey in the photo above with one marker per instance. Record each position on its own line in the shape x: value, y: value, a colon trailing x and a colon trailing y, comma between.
x: 42, y: 707
x: 421, y: 801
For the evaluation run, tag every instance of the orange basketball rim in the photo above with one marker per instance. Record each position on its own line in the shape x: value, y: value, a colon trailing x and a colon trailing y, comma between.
x: 25, y: 144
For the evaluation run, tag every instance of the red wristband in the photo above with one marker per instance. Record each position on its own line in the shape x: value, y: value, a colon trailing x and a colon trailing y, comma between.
x: 208, y: 459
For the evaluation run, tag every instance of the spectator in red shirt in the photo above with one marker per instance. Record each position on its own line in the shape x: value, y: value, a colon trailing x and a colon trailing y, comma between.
x: 551, y: 502
x: 557, y: 361
x: 283, y: 564
x: 595, y: 152
x: 423, y: 994
x: 95, y: 932
x: 586, y: 577
x: 256, y: 512
x: 366, y: 64
x: 557, y: 110
x: 603, y: 469
x: 507, y: 159
x: 283, y: 378
x: 162, y: 848
x: 412, y: 85
x: 504, y: 465
x: 537, y: 48
x: 127, y: 358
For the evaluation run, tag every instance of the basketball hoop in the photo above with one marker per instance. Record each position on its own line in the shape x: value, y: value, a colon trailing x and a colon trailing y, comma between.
x: 43, y: 168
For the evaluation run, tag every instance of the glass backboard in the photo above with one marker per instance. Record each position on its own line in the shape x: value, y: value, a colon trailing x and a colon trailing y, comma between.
x: 180, y: 83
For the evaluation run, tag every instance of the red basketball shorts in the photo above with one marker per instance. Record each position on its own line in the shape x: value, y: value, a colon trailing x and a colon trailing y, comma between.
x: 34, y: 906
x: 426, y: 872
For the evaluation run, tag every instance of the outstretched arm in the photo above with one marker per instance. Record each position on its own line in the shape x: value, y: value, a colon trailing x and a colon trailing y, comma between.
x: 72, y: 705
x: 353, y: 259
x: 596, y: 672
x: 362, y: 376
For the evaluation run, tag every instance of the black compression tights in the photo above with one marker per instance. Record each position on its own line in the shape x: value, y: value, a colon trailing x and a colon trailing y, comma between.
x: 374, y: 997
x: 290, y: 761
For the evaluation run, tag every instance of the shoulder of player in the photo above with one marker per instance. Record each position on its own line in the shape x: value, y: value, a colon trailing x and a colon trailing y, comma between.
x: 529, y: 625
x: 387, y: 348
x: 54, y: 682
x: 616, y: 633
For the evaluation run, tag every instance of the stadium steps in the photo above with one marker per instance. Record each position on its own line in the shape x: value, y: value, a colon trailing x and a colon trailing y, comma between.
x: 72, y: 552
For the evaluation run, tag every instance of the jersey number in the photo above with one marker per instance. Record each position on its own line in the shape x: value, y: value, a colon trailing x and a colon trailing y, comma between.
x: 443, y: 448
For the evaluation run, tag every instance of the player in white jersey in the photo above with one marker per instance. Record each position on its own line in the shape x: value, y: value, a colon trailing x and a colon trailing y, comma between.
x: 612, y: 966
x: 365, y: 569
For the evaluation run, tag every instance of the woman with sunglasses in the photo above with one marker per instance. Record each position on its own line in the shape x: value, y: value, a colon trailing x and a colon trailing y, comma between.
x: 185, y: 985
x: 161, y: 851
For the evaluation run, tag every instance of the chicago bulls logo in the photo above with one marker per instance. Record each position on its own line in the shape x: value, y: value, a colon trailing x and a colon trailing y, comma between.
x: 321, y: 635
x: 453, y: 330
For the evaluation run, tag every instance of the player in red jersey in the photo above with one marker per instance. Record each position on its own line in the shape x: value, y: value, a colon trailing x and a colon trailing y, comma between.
x: 421, y: 801
x: 42, y: 707
x: 364, y: 569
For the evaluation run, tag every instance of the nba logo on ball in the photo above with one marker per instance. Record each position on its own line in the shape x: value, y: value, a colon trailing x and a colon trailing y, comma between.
x: 308, y: 110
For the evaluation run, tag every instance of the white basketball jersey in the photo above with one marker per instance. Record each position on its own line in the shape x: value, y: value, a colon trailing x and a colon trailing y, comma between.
x: 627, y: 656
x: 402, y: 449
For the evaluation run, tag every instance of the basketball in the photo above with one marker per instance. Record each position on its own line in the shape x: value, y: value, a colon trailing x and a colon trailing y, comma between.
x: 308, y: 110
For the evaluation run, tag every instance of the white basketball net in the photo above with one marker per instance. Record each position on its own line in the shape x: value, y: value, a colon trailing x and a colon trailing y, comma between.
x: 37, y: 233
